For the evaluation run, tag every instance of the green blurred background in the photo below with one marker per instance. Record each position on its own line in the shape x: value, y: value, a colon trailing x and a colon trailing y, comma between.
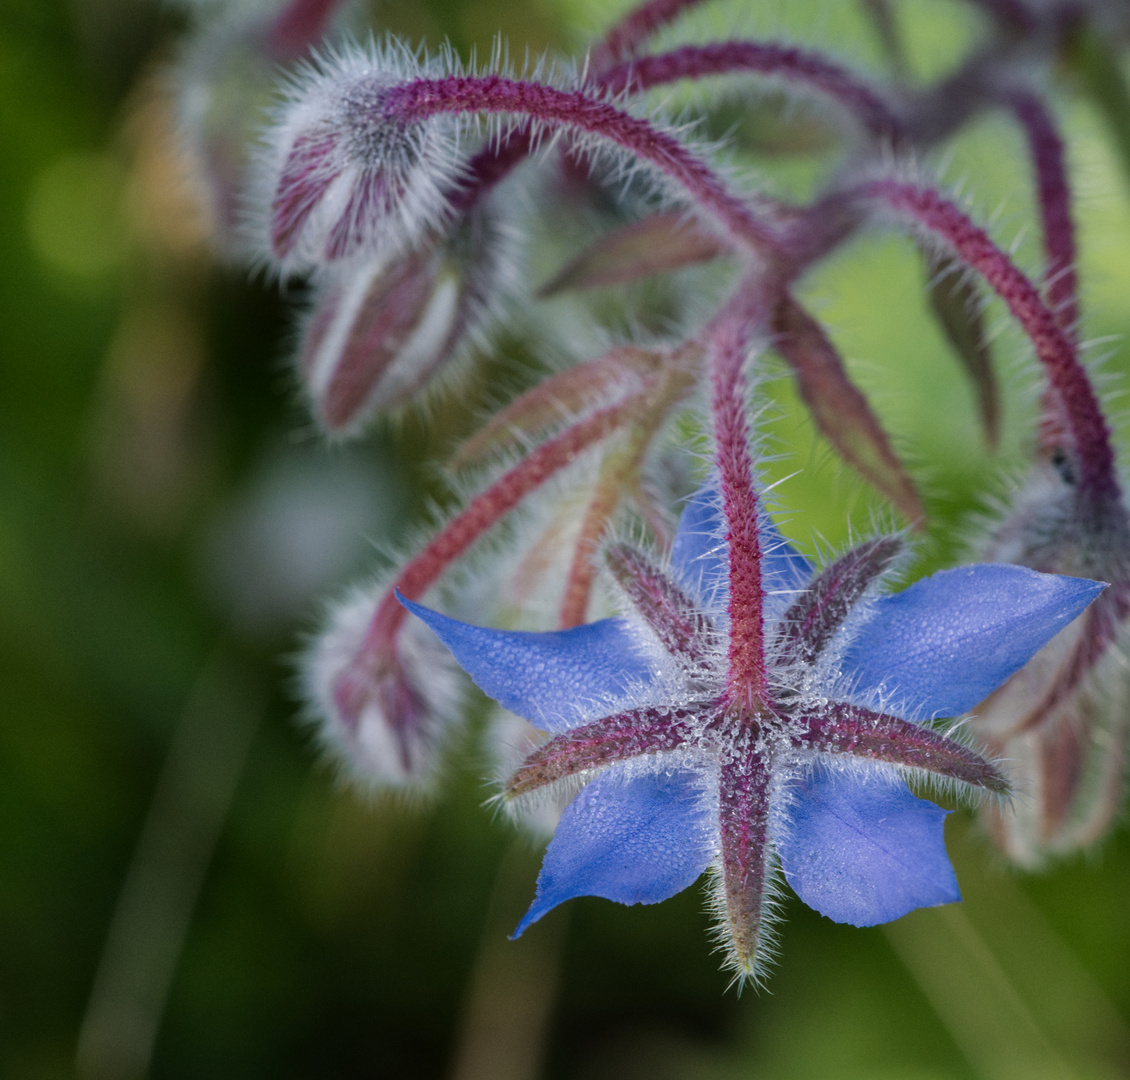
x: 186, y: 889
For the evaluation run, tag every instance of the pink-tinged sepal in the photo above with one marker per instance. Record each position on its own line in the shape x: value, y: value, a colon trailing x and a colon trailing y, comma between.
x: 682, y: 628
x: 811, y: 622
x: 311, y: 167
x: 343, y: 174
x: 381, y: 711
x: 654, y: 245
x: 957, y: 303
x: 223, y: 80
x: 743, y: 900
x: 839, y: 410
x: 381, y: 330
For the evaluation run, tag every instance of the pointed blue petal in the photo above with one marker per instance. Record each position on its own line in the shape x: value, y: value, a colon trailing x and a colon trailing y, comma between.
x: 555, y: 679
x: 865, y: 852
x: 700, y: 559
x: 635, y: 839
x: 943, y: 645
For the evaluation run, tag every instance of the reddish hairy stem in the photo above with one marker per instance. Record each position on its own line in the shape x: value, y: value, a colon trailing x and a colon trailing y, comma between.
x: 1046, y: 148
x: 636, y: 27
x: 726, y: 57
x: 1057, y: 353
x: 423, y: 98
x: 582, y: 570
x: 484, y: 511
x: 746, y: 679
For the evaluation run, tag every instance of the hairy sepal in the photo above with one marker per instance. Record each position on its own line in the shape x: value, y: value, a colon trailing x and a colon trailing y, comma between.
x: 839, y: 410
x: 958, y: 305
x: 382, y: 718
x: 655, y: 245
x: 340, y: 175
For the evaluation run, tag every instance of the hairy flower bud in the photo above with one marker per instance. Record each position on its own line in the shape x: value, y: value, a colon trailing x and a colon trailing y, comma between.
x: 225, y: 79
x: 378, y: 332
x: 1062, y: 722
x: 380, y: 714
x: 343, y: 173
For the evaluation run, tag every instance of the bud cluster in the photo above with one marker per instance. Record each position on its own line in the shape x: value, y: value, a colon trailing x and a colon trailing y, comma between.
x: 379, y: 182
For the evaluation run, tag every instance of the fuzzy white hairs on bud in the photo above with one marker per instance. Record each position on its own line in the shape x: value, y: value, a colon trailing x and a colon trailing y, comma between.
x: 374, y: 748
x: 339, y: 175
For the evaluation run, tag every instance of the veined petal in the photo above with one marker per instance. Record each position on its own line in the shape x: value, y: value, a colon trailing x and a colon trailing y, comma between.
x: 943, y: 645
x: 865, y: 852
x: 633, y: 839
x: 700, y: 562
x: 553, y: 679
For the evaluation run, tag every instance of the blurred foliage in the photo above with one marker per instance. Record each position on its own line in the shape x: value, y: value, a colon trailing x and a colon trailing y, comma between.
x: 167, y: 524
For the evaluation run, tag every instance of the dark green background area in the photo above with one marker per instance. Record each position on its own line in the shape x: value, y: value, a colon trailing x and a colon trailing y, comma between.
x: 158, y: 480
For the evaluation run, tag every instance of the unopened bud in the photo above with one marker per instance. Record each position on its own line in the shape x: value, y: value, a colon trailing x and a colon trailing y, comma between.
x: 1061, y: 723
x: 381, y: 712
x: 343, y: 173
x: 225, y: 80
x: 379, y: 332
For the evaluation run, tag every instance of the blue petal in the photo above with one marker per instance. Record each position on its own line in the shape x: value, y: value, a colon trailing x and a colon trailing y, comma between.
x: 633, y: 839
x: 946, y: 643
x: 700, y: 559
x: 554, y: 679
x: 865, y: 852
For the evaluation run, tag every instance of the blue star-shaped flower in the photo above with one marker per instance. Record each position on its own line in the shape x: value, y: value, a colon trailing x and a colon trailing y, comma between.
x: 748, y: 710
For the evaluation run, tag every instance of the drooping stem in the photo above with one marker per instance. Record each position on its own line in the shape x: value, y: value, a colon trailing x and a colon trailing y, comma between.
x: 1046, y: 148
x: 484, y: 511
x: 746, y: 680
x: 619, y: 473
x: 421, y: 99
x: 812, y: 69
x: 1055, y: 351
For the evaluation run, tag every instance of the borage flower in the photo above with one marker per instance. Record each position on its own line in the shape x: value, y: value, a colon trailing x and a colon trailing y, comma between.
x: 712, y: 732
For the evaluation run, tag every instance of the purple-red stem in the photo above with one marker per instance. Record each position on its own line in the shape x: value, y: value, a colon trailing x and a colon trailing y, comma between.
x: 635, y: 28
x: 484, y: 511
x: 424, y: 98
x: 1046, y: 148
x: 746, y: 681
x: 1055, y: 351
x: 768, y: 58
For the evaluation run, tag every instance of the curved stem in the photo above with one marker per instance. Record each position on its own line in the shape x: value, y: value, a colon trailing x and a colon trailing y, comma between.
x: 1054, y: 350
x: 768, y: 58
x: 636, y: 27
x: 1046, y: 148
x: 421, y: 99
x: 421, y: 572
